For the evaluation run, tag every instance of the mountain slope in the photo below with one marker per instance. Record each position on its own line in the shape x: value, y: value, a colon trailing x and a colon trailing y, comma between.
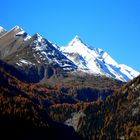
x: 23, y: 116
x: 116, y: 118
x: 96, y: 61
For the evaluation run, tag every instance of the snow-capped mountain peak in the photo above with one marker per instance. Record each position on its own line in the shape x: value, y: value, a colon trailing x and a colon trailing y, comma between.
x: 96, y: 61
x: 17, y: 28
x: 76, y: 41
x: 76, y: 38
x: 76, y: 56
x: 76, y: 45
x: 22, y: 33
x: 38, y: 37
x: 1, y: 29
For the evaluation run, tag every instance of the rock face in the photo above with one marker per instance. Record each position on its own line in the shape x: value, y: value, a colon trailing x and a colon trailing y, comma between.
x: 34, y: 56
x: 9, y: 43
x: 74, y: 120
x: 2, y: 31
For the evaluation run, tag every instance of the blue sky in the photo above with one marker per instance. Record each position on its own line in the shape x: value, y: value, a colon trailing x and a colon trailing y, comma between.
x: 113, y: 25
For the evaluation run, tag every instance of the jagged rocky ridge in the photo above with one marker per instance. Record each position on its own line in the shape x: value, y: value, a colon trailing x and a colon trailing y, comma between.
x: 33, y: 55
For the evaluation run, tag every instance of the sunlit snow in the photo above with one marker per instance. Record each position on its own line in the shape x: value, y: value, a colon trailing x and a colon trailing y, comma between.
x: 96, y: 61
